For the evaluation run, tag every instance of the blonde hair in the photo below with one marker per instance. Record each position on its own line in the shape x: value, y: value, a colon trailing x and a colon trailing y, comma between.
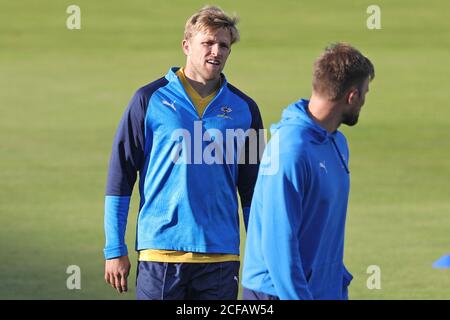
x: 211, y: 18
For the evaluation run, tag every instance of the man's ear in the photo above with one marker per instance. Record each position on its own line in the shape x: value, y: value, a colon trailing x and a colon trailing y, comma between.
x: 186, y: 47
x: 352, y: 96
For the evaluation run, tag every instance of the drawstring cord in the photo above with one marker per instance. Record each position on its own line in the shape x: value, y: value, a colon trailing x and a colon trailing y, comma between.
x: 340, y: 156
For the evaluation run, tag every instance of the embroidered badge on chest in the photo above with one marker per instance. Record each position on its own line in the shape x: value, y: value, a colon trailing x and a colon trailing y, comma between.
x: 226, y: 111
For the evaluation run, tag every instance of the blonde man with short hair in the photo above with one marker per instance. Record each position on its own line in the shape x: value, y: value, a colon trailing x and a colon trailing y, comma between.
x: 173, y: 133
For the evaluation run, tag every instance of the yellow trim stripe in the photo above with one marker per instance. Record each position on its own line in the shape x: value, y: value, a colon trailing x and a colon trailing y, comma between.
x: 182, y: 256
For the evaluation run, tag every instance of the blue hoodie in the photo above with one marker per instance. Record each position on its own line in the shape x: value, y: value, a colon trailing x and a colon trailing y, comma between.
x: 295, y: 238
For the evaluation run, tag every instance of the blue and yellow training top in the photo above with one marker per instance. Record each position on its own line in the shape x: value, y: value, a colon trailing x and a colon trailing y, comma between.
x: 189, y: 166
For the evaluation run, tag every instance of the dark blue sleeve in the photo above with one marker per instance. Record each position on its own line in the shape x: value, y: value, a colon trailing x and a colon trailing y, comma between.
x: 128, y: 148
x: 248, y: 171
x: 126, y: 160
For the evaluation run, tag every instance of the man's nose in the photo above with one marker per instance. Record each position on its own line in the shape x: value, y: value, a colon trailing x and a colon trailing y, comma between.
x: 215, y: 49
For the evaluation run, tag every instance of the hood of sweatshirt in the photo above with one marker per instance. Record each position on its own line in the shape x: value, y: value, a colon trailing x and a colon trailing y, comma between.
x: 297, y: 114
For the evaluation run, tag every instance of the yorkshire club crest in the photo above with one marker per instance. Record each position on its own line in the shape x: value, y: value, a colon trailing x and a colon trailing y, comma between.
x: 226, y: 111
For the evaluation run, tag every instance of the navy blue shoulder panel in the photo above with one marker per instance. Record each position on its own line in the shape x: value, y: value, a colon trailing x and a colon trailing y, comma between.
x: 128, y: 148
x: 254, y: 110
x: 145, y: 93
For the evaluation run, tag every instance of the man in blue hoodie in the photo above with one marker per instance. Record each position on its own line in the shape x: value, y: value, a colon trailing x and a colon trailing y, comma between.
x: 295, y: 238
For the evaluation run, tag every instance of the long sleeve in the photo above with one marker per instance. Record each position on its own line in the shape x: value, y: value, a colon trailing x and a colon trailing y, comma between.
x: 126, y: 160
x: 248, y: 171
x: 281, y: 216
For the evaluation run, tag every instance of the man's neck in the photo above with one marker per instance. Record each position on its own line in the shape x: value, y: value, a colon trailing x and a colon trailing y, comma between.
x: 203, y: 87
x: 325, y: 113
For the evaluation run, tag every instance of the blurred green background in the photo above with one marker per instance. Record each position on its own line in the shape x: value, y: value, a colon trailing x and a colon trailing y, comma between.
x: 63, y: 93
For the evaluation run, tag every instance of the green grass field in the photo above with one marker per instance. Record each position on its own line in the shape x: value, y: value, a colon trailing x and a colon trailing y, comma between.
x: 63, y: 92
